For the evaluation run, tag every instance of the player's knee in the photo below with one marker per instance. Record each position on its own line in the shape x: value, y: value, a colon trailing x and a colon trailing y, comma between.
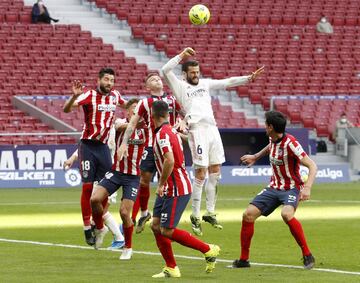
x: 166, y: 232
x: 124, y: 213
x: 200, y: 174
x: 155, y: 227
x: 248, y: 216
x: 286, y: 216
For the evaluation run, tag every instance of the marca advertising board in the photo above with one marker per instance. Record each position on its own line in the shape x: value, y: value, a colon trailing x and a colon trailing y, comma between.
x: 41, y: 167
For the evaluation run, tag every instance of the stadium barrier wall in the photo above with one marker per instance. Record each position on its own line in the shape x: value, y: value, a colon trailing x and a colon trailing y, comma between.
x: 41, y: 167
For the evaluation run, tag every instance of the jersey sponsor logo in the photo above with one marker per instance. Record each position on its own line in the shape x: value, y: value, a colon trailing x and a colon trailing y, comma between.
x: 135, y: 141
x: 276, y: 161
x: 201, y: 92
x: 106, y: 108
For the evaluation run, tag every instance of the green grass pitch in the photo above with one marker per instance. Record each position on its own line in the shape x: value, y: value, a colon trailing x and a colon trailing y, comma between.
x: 331, y: 221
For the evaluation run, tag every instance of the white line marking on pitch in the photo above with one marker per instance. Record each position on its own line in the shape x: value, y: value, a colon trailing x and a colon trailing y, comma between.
x: 178, y: 256
x: 220, y: 199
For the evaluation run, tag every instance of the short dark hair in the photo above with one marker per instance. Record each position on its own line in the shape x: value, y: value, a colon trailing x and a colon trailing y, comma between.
x: 105, y: 71
x: 277, y: 120
x: 187, y: 64
x: 152, y: 74
x: 160, y: 109
x: 131, y: 102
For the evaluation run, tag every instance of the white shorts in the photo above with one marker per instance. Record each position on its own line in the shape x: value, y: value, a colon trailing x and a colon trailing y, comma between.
x: 206, y: 145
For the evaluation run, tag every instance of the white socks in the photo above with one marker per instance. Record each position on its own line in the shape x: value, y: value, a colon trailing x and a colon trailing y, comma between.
x: 113, y: 226
x: 196, y: 196
x: 144, y: 213
x: 211, y: 192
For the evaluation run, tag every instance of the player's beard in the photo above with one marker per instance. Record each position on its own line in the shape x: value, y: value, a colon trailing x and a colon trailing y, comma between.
x: 104, y: 90
x: 191, y: 81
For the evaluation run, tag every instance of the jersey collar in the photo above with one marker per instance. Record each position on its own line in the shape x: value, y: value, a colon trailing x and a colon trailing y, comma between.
x: 158, y: 129
x: 280, y: 139
x: 162, y: 96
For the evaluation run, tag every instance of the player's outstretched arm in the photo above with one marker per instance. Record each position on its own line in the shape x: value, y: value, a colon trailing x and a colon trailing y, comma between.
x: 235, y: 81
x: 122, y: 150
x: 77, y: 90
x: 306, y: 190
x: 250, y: 159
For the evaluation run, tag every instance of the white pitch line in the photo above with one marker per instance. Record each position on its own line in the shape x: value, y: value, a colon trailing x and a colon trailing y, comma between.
x: 220, y: 199
x: 178, y: 256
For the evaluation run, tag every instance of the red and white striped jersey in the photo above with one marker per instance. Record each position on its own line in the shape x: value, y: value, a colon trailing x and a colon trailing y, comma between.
x: 99, y: 112
x: 167, y: 140
x: 143, y: 109
x: 131, y: 164
x: 285, y: 155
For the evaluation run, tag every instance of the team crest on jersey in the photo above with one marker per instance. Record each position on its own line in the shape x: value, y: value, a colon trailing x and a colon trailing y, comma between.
x: 280, y: 151
x: 85, y: 174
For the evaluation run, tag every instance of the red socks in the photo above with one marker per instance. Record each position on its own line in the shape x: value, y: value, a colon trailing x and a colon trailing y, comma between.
x: 128, y: 236
x: 135, y: 208
x: 165, y: 248
x: 298, y: 233
x: 144, y: 197
x: 142, y: 201
x: 186, y: 239
x: 85, y: 203
x: 246, y: 234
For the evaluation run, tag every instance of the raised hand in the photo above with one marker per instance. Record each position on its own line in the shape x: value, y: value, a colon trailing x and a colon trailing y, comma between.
x: 187, y: 52
x: 257, y: 73
x: 77, y: 88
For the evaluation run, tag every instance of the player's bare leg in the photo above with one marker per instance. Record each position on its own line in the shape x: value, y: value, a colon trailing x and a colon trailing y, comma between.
x: 197, y: 186
x: 211, y: 194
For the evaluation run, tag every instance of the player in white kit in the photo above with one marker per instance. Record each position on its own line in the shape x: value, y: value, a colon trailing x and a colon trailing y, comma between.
x: 205, y: 143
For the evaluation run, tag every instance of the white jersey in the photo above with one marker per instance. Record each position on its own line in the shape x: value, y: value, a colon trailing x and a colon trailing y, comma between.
x: 196, y: 99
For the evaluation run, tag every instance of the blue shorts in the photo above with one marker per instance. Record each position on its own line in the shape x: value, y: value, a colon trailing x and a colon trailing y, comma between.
x: 94, y: 160
x: 269, y: 199
x: 148, y: 161
x: 170, y: 209
x: 113, y: 180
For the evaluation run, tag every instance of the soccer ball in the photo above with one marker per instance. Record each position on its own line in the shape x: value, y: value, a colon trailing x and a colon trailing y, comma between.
x: 199, y: 15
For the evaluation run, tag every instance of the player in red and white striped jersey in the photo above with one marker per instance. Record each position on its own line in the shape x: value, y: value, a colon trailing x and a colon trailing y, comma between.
x: 99, y: 107
x: 168, y: 140
x: 173, y: 194
x: 286, y: 187
x: 155, y: 86
x: 124, y: 173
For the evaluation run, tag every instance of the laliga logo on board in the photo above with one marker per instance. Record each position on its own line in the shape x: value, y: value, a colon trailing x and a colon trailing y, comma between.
x: 72, y: 177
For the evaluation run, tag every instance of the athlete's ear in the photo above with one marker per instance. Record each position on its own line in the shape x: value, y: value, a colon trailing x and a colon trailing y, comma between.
x: 184, y: 75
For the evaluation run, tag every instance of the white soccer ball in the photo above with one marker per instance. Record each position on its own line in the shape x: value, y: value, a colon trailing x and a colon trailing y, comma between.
x: 199, y: 15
